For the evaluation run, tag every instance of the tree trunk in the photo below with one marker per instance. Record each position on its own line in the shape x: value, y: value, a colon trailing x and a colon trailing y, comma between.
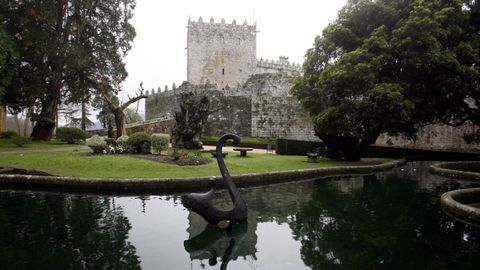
x: 120, y: 122
x: 17, y: 123
x: 3, y: 118
x: 110, y: 130
x: 84, y: 116
x: 45, y: 122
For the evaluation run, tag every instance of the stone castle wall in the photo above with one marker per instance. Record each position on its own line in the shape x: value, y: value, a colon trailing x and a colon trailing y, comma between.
x: 435, y: 137
x: 221, y: 53
x: 231, y: 113
x: 280, y: 66
x: 262, y: 107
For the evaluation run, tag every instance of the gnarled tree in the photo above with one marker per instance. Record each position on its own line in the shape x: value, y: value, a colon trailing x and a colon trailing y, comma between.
x: 190, y: 119
x: 118, y: 110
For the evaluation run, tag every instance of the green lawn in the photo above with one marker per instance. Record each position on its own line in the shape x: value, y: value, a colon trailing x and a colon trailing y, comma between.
x: 69, y: 163
x: 8, y: 145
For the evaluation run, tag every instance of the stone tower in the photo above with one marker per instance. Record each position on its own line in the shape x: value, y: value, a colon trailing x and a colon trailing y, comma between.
x: 220, y: 53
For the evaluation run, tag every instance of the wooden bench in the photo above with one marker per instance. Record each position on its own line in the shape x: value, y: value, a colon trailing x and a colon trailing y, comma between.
x: 243, y: 151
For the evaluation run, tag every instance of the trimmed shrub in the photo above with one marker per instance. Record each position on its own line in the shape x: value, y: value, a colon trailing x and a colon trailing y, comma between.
x: 260, y: 143
x: 97, y: 144
x: 71, y: 135
x: 139, y: 142
x: 111, y: 142
x: 160, y: 142
x: 20, y: 141
x: 294, y: 147
x: 122, y: 144
x: 8, y: 134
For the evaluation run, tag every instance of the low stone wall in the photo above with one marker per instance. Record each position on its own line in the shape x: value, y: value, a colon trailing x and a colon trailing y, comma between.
x: 459, y: 205
x: 469, y: 170
x: 159, y: 125
x: 435, y: 137
x: 154, y: 186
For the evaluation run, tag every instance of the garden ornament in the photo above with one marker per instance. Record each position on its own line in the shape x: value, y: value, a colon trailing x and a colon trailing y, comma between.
x: 201, y: 203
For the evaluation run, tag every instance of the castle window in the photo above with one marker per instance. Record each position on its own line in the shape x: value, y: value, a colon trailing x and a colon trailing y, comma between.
x: 223, y: 71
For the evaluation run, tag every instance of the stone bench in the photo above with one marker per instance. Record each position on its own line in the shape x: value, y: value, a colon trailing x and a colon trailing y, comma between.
x: 243, y: 151
x: 312, y: 156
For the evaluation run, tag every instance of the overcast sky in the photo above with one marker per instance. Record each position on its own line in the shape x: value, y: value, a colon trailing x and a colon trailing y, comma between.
x: 158, y: 56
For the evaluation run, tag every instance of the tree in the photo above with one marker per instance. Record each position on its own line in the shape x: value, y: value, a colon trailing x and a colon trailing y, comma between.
x: 66, y: 49
x: 7, y: 58
x: 105, y: 116
x: 118, y: 110
x: 390, y: 66
x: 189, y: 121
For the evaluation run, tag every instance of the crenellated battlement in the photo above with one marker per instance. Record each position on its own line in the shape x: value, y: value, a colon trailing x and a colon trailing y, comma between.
x: 222, y: 25
x: 280, y: 65
x: 185, y: 86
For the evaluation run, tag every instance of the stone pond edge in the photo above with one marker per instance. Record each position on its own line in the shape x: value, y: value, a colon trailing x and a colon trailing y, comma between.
x: 183, y: 184
x: 440, y: 169
x: 451, y: 203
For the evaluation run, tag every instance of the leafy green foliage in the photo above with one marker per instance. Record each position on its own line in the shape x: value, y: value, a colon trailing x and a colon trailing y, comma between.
x: 8, y: 134
x: 20, y: 141
x: 391, y: 66
x: 71, y: 135
x: 67, y: 50
x: 160, y: 142
x: 97, y: 144
x: 139, y: 142
x: 7, y: 60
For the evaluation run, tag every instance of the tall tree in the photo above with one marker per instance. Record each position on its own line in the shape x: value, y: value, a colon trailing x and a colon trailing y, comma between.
x: 7, y: 59
x: 390, y: 66
x: 66, y: 49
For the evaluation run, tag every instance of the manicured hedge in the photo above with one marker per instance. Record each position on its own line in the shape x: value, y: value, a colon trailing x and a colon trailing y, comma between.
x: 294, y: 147
x: 259, y: 143
x: 70, y: 135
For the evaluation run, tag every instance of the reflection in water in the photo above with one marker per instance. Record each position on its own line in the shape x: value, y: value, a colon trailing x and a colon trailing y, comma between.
x: 215, y: 242
x: 390, y: 220
x: 46, y: 231
x: 384, y: 223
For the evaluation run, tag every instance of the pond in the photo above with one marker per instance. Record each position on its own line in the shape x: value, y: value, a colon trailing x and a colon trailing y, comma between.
x: 384, y: 221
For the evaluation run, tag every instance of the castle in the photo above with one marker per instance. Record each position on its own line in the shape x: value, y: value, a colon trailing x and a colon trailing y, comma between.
x: 254, y: 94
x: 222, y: 64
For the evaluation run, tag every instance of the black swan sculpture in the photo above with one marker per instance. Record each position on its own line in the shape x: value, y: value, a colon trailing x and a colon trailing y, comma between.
x: 201, y: 203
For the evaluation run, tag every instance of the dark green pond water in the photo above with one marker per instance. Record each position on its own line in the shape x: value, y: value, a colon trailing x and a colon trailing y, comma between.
x: 384, y: 221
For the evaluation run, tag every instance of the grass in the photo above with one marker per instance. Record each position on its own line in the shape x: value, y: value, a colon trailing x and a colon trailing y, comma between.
x: 69, y: 163
x: 8, y: 145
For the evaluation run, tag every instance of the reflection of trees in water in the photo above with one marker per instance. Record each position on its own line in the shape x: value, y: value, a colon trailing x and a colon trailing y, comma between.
x: 45, y: 231
x: 387, y: 223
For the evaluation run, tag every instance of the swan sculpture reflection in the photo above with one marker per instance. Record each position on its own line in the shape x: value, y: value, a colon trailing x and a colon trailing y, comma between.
x: 201, y: 203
